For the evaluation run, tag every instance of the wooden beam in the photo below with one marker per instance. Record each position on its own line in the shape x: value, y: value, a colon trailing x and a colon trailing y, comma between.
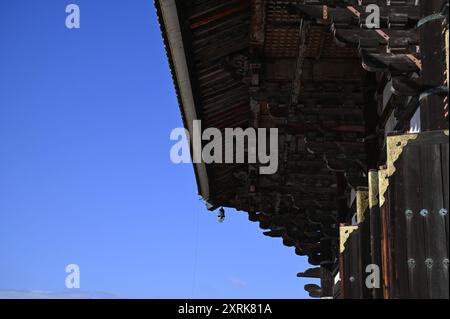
x: 310, y: 273
x: 219, y: 16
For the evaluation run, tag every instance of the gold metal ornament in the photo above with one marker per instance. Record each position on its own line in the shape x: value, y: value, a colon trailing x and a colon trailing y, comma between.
x: 395, y: 146
x: 362, y: 203
x: 383, y: 184
x: 373, y: 188
x: 344, y: 234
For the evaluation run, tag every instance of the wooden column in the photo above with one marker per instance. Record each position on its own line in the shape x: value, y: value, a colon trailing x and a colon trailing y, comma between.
x: 433, y: 63
x: 371, y: 120
x: 375, y: 228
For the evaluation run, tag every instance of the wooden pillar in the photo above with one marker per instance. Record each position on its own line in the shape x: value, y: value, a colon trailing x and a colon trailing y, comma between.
x: 363, y: 219
x: 432, y: 110
x: 375, y: 228
x: 386, y: 234
x: 371, y: 120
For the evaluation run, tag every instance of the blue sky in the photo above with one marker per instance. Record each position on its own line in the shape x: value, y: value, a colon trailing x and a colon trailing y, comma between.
x: 85, y: 171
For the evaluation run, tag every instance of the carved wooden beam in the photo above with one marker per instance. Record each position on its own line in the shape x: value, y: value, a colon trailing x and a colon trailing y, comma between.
x: 375, y: 38
x: 390, y: 16
x: 205, y: 19
x: 393, y: 63
x: 310, y: 273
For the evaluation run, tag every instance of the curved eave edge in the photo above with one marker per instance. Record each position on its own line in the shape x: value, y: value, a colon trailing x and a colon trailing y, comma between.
x: 173, y: 40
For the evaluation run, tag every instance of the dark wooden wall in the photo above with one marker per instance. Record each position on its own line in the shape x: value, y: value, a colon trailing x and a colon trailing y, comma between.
x: 404, y: 229
x: 418, y: 208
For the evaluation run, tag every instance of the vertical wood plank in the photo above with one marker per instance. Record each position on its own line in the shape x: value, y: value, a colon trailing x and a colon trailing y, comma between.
x: 414, y: 225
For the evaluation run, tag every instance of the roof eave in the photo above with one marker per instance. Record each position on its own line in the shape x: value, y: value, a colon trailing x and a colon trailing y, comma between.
x: 171, y: 30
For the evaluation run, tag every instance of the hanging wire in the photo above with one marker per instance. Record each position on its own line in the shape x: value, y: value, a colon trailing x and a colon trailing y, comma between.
x: 196, y: 234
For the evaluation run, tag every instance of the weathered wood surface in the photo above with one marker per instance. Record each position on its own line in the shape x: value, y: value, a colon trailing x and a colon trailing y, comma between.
x: 351, y: 267
x: 433, y: 114
x: 375, y: 229
x: 418, y: 190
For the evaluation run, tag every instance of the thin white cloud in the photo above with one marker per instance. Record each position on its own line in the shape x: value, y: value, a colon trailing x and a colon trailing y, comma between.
x: 42, y: 294
x: 238, y: 283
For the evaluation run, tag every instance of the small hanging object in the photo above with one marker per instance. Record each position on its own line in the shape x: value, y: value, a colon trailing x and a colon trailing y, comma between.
x: 221, y: 215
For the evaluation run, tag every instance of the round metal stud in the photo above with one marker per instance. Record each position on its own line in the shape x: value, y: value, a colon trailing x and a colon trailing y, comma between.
x: 408, y: 213
x: 424, y: 212
x: 411, y: 263
x: 429, y: 263
x: 443, y: 212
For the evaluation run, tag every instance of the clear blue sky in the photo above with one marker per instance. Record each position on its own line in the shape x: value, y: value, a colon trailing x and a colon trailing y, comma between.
x: 85, y: 172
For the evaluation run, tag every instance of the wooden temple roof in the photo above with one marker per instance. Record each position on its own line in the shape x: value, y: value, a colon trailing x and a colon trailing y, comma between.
x: 307, y: 69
